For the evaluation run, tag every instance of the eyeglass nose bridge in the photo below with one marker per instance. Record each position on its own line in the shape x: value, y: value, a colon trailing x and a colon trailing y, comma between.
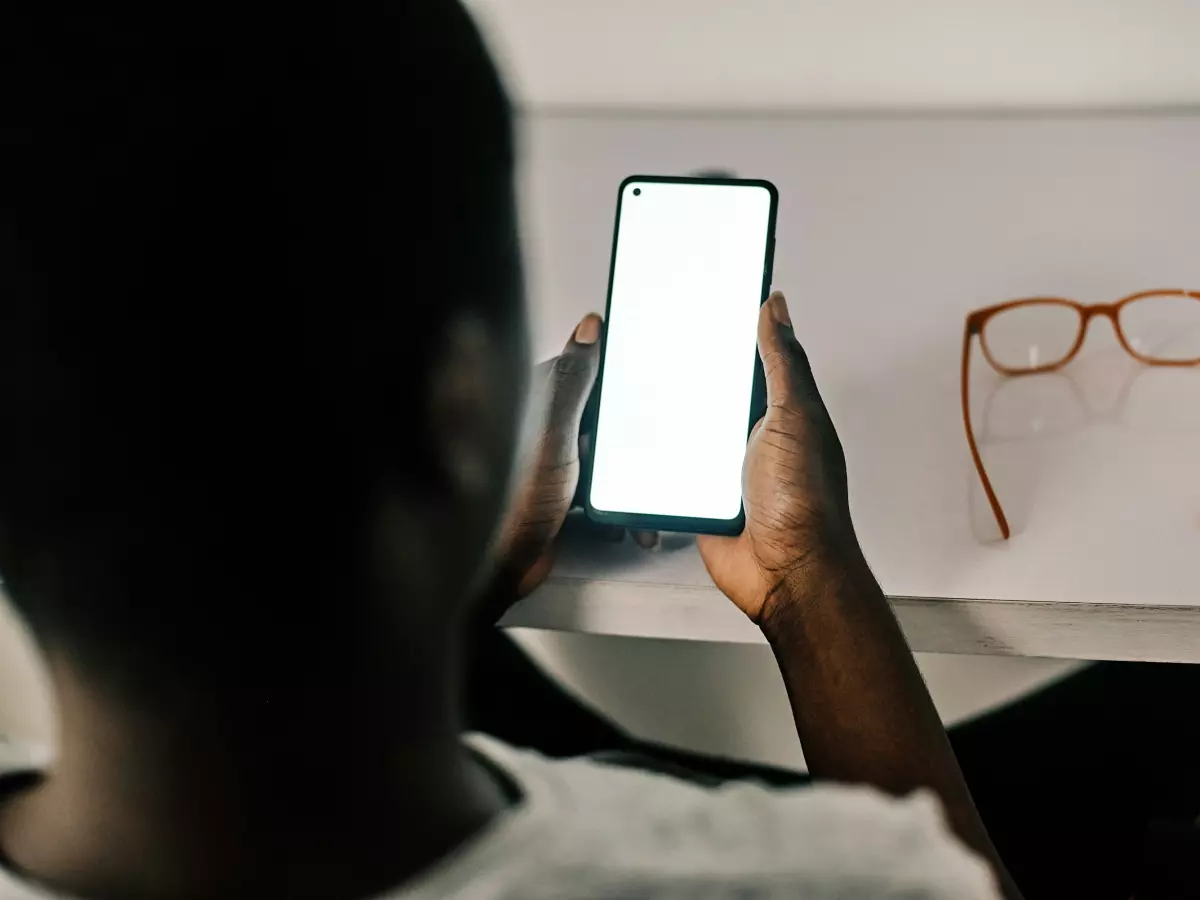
x: 1108, y: 310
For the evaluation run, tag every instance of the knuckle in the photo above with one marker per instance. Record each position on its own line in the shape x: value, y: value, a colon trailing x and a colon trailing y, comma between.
x: 773, y: 361
x: 790, y: 364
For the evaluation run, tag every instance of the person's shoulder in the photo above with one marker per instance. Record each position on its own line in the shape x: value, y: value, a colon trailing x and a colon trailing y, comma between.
x: 819, y: 841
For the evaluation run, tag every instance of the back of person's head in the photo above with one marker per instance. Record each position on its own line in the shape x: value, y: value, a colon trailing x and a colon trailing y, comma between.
x: 260, y: 327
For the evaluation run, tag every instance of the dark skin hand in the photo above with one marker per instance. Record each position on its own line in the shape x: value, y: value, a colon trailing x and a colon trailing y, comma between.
x: 861, y: 708
x: 547, y: 483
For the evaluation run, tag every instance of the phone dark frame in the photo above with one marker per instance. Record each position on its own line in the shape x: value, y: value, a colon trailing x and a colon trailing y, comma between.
x: 758, y: 393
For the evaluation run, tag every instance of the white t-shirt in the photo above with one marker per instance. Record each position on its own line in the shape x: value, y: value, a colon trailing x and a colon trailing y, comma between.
x: 585, y: 829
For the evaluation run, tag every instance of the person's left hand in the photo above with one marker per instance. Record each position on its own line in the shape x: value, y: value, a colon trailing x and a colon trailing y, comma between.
x: 547, y: 485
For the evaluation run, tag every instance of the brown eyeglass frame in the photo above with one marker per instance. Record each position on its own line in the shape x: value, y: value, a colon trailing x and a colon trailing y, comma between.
x: 974, y: 328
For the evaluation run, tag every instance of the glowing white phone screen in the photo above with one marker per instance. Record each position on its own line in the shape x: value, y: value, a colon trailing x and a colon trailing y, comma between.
x: 681, y: 340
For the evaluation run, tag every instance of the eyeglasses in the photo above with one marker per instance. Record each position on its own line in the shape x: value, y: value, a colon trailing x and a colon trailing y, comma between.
x: 1043, y: 334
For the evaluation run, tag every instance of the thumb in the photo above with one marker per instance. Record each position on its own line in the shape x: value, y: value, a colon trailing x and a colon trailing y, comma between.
x: 571, y: 378
x: 785, y: 364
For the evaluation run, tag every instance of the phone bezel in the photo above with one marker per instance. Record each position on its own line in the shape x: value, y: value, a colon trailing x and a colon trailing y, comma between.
x: 758, y: 393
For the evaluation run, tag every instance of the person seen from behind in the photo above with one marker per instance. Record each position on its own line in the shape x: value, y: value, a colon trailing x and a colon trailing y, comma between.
x: 263, y: 358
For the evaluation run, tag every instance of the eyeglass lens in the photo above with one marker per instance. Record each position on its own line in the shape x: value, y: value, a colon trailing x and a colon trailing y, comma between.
x: 1163, y: 327
x: 1031, y: 336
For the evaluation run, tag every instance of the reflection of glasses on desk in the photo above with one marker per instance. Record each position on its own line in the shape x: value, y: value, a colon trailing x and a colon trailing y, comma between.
x: 1016, y: 410
x: 1043, y: 334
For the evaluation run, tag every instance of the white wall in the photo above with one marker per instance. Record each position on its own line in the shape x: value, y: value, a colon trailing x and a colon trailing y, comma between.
x: 791, y: 55
x: 728, y: 699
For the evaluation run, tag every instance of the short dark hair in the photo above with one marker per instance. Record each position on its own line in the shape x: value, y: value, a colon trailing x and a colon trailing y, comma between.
x: 227, y: 251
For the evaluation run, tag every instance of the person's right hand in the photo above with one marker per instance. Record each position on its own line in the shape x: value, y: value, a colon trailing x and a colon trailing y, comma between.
x: 793, y: 485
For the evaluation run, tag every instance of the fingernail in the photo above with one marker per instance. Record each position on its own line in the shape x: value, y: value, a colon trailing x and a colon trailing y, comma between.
x: 588, y: 331
x: 779, y: 309
x: 647, y: 540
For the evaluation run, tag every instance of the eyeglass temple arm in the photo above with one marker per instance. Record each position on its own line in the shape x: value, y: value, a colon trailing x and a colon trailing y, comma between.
x: 969, y: 332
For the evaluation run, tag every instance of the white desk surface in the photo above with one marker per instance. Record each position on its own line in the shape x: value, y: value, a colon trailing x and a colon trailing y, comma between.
x: 890, y: 231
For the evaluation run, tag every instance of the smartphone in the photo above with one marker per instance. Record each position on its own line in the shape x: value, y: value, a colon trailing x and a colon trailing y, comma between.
x: 680, y: 380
